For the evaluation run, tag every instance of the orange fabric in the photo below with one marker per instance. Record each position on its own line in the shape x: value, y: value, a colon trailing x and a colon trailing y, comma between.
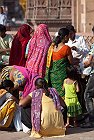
x: 64, y: 52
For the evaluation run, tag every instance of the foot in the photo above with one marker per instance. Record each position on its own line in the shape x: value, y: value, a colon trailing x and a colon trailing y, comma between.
x: 69, y: 126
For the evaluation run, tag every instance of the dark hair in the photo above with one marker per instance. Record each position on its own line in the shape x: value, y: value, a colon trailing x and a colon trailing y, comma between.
x: 2, y: 9
x: 93, y: 29
x: 2, y: 28
x: 61, y: 34
x: 41, y: 83
x: 72, y: 73
x: 15, y: 93
x: 6, y: 83
x: 70, y: 28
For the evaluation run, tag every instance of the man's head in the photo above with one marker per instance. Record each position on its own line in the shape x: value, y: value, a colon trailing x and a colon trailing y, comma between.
x: 6, y: 84
x: 2, y: 30
x: 71, y: 31
x: 1, y: 10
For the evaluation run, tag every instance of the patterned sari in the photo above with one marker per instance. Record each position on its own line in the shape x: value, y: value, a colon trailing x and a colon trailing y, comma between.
x: 37, y: 106
x: 56, y: 71
x: 36, y: 60
x: 56, y: 74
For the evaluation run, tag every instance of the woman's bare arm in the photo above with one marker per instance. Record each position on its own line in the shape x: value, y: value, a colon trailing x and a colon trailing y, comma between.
x: 25, y: 101
x: 77, y: 87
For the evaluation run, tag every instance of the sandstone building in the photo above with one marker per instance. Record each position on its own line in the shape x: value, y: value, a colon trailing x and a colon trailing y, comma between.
x: 55, y: 13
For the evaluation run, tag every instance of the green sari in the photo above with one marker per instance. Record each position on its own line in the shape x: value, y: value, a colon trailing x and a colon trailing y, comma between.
x: 56, y: 74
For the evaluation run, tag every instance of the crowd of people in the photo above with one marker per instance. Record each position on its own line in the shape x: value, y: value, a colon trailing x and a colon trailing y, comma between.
x: 46, y: 84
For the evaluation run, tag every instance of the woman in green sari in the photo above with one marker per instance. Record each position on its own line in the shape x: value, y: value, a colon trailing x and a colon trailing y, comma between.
x: 58, y: 59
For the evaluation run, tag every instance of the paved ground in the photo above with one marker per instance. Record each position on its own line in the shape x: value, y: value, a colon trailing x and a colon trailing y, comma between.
x: 72, y: 134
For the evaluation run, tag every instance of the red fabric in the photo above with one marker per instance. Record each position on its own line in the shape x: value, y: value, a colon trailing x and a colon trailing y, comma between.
x: 64, y: 52
x: 17, y: 53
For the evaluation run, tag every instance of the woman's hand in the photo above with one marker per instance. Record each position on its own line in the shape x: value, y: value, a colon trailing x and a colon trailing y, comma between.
x: 88, y: 62
x: 25, y: 101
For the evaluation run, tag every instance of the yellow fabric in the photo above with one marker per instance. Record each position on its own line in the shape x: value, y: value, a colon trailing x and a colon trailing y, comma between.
x: 7, y: 111
x: 49, y: 55
x: 30, y: 94
x: 2, y: 92
x: 52, y: 123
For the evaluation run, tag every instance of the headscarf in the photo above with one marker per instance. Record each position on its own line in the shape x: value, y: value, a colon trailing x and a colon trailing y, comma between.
x: 17, y: 53
x: 23, y: 70
x: 37, y: 106
x: 39, y: 45
x: 6, y: 71
x: 36, y: 60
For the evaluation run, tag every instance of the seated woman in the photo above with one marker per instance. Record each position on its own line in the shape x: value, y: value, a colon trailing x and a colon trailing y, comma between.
x: 46, y: 117
x: 7, y: 103
x: 17, y: 74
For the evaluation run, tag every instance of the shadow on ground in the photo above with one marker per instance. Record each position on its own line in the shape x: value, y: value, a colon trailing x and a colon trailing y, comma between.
x: 78, y: 130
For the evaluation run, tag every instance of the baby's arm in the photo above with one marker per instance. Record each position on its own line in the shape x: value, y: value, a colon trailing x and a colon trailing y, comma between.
x: 63, y: 85
x: 77, y: 86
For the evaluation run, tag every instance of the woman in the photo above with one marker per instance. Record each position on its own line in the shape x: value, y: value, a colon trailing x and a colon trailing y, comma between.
x: 59, y: 57
x: 17, y: 74
x: 36, y: 60
x: 17, y: 53
x: 7, y: 103
x: 46, y: 116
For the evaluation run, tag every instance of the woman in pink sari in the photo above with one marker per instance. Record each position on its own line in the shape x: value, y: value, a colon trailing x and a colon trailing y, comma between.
x: 36, y: 60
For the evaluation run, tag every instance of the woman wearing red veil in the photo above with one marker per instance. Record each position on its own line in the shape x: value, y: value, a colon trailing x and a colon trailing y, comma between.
x: 17, y: 53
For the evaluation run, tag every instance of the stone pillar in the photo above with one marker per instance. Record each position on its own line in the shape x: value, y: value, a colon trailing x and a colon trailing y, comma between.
x: 83, y: 15
x: 89, y: 15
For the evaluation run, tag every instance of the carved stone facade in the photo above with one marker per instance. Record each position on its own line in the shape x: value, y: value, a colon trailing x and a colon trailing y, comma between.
x: 55, y: 13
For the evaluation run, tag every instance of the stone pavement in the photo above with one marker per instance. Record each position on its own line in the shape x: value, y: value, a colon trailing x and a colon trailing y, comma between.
x: 72, y: 134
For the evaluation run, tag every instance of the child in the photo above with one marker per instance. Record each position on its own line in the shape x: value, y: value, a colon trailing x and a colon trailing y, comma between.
x: 71, y: 87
